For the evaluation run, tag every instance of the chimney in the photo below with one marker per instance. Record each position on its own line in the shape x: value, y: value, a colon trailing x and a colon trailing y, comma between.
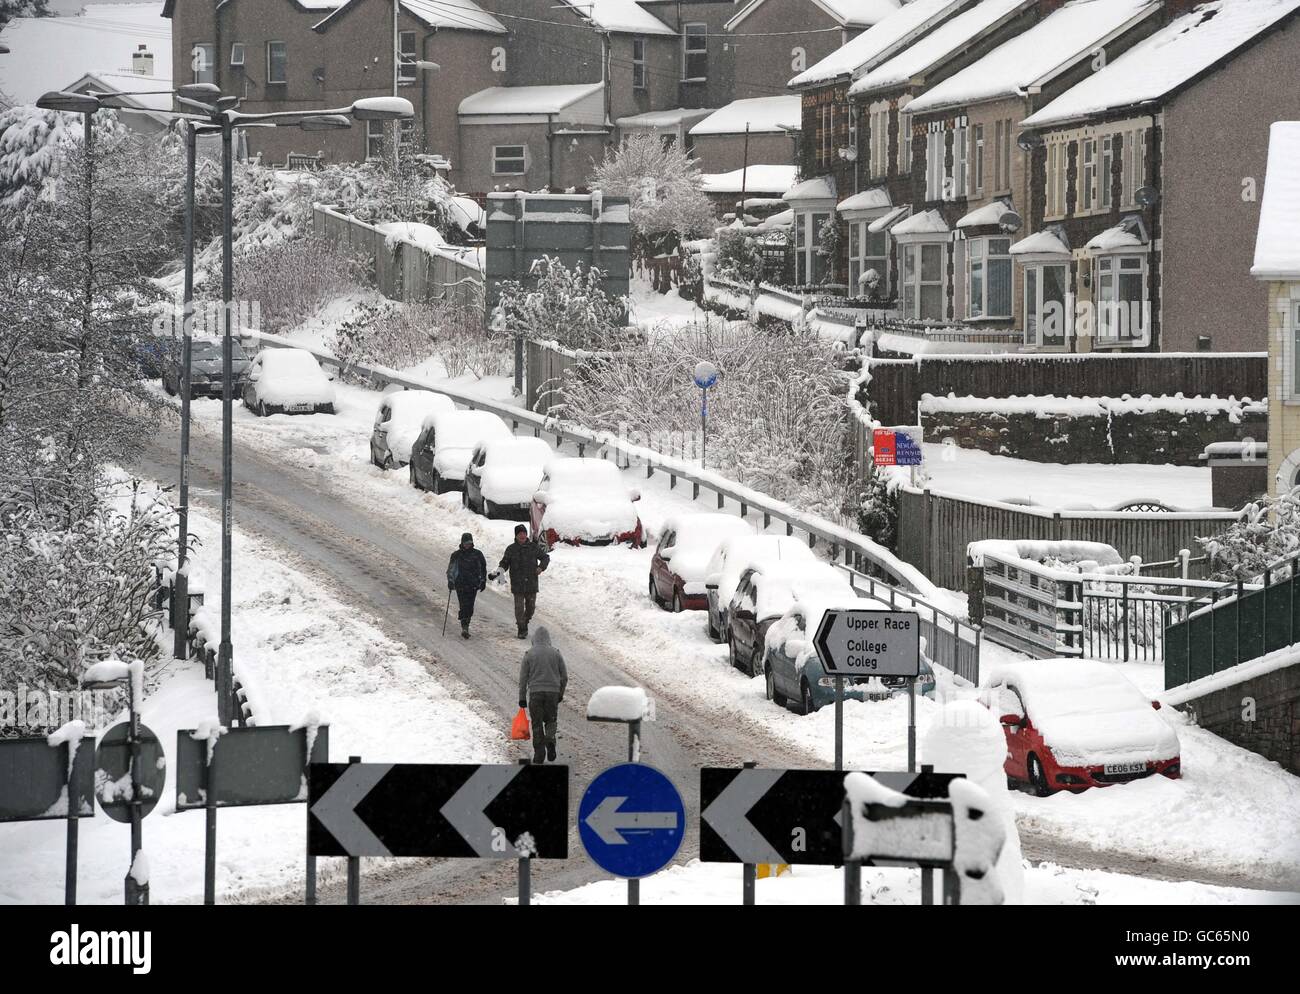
x: 142, y: 61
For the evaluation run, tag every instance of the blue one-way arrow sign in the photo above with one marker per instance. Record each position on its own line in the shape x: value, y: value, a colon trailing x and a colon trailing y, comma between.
x: 631, y: 820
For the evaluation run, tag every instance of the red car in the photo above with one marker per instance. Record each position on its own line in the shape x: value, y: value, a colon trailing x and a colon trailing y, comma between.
x: 681, y: 560
x: 1071, y: 725
x: 584, y: 502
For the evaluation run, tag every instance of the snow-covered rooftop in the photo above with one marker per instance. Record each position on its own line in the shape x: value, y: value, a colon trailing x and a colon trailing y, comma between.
x: 1126, y: 234
x: 878, y: 42
x: 1169, y: 59
x: 1047, y: 242
x: 1277, y: 245
x: 817, y: 188
x: 770, y: 115
x: 877, y: 198
x: 128, y: 82
x: 925, y: 223
x: 662, y: 118
x: 888, y: 220
x: 527, y: 99
x: 50, y: 53
x: 939, y: 45
x: 449, y: 15
x: 618, y: 16
x: 1060, y: 39
x: 759, y: 179
x: 849, y: 13
x: 988, y: 214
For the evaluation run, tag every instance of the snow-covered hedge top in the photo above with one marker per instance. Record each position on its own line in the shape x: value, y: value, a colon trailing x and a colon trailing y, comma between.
x: 1079, y: 407
x: 621, y: 704
x: 1035, y: 551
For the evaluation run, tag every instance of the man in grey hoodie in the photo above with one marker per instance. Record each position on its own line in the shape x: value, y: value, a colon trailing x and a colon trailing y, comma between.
x: 542, y: 679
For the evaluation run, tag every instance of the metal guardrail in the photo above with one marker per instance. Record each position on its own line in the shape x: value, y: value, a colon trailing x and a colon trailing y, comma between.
x: 845, y: 545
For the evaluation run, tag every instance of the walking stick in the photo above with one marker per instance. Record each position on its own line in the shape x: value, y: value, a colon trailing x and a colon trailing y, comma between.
x: 445, y: 614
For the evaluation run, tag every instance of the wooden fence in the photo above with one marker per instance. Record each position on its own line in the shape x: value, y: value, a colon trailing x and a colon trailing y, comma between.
x: 405, y: 272
x: 897, y: 385
x: 934, y: 530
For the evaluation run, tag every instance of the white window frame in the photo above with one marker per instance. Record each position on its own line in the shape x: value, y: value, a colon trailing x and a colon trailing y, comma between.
x: 687, y: 51
x: 935, y: 152
x: 407, y: 72
x: 904, y: 138
x: 640, y: 78
x: 270, y: 63
x: 879, y: 159
x: 1104, y: 182
x: 860, y: 261
x: 374, y: 140
x: 208, y: 75
x: 807, y: 226
x: 1112, y: 269
x: 237, y: 54
x: 960, y: 160
x: 1034, y: 285
x: 911, y: 269
x: 977, y: 158
x: 1087, y: 199
x: 980, y: 261
x: 521, y: 158
x: 997, y: 155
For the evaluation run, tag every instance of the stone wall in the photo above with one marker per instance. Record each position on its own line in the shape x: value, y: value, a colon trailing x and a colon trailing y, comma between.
x: 1155, y: 437
x: 1271, y: 700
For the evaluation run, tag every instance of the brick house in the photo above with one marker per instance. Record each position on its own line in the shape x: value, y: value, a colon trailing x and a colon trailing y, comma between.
x: 968, y: 155
x: 1277, y: 266
x: 1143, y: 194
x: 756, y: 130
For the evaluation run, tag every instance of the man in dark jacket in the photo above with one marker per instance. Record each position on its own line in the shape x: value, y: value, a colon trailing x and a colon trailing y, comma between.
x: 467, y: 575
x: 526, y: 561
x: 542, y: 680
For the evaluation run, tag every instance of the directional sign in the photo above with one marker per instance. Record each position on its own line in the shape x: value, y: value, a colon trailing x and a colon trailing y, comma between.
x: 786, y: 816
x: 631, y: 820
x: 251, y: 765
x: 36, y: 780
x: 853, y: 642
x: 113, y: 772
x: 463, y: 810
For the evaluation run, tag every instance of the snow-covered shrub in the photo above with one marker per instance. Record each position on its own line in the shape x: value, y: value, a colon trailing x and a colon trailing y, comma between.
x: 30, y: 141
x: 290, y: 281
x: 1268, y: 531
x: 878, y: 510
x: 72, y: 595
x: 740, y: 257
x: 569, y: 306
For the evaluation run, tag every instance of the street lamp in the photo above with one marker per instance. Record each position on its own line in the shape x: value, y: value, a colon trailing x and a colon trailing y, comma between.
x: 705, y: 376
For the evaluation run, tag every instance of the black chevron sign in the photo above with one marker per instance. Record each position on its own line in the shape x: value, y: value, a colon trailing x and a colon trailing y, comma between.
x: 786, y: 816
x: 462, y: 810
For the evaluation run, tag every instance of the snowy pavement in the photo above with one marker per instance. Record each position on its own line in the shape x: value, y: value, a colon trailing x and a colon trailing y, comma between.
x: 1210, y: 822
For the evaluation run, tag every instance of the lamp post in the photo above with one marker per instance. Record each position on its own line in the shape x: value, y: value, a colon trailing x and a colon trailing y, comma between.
x: 706, y: 375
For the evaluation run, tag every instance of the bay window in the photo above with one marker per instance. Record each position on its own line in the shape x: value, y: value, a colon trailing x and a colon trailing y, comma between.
x: 1122, y: 298
x: 810, y: 265
x: 1045, y: 305
x: 923, y: 296
x: 988, y: 273
x: 868, y: 251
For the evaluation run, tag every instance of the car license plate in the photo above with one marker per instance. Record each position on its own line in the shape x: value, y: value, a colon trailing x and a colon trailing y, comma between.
x: 1119, y: 768
x: 296, y: 408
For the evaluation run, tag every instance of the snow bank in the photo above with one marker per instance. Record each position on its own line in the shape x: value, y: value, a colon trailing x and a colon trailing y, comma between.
x: 621, y: 704
x: 1035, y: 551
x: 1077, y: 407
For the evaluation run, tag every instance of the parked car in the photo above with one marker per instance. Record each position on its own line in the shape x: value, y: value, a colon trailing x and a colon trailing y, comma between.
x: 205, y: 369
x: 680, y: 561
x: 766, y: 589
x: 1072, y: 724
x: 503, y: 475
x: 793, y: 673
x: 730, y: 558
x: 398, y: 423
x: 442, y: 450
x: 584, y: 502
x: 288, y: 381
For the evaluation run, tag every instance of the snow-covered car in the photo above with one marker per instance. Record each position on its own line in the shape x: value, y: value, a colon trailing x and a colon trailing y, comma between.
x: 442, y: 450
x: 793, y: 673
x: 503, y: 475
x: 584, y: 502
x: 1073, y: 724
x: 766, y: 589
x: 728, y: 561
x: 680, y: 561
x: 205, y: 369
x: 398, y: 423
x: 287, y: 381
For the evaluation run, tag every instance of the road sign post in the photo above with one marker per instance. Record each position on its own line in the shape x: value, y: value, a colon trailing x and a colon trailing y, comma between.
x: 239, y: 767
x: 49, y: 777
x: 130, y: 771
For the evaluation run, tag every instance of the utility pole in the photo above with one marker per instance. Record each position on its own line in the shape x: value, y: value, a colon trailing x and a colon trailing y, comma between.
x: 744, y: 175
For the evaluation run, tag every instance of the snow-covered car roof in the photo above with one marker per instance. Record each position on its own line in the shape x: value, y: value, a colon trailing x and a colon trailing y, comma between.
x: 782, y: 583
x: 532, y: 451
x: 698, y: 537
x: 415, y: 405
x: 1069, y: 686
x: 735, y: 552
x: 289, y: 362
x: 464, y: 429
x: 568, y: 473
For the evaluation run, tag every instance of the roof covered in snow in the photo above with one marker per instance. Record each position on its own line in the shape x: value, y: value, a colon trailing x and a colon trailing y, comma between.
x: 939, y: 45
x: 1128, y: 233
x: 888, y: 220
x: 447, y: 15
x: 1169, y: 60
x: 527, y: 99
x: 925, y: 223
x: 770, y: 115
x: 849, y: 13
x: 988, y: 214
x: 128, y: 82
x: 877, y: 198
x: 760, y: 179
x: 1047, y: 242
x: 1059, y: 40
x: 618, y: 16
x: 817, y: 188
x: 878, y: 42
x: 662, y: 118
x: 49, y: 53
x: 1277, y: 246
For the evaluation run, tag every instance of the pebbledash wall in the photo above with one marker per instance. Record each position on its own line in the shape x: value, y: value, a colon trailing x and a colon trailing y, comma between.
x: 1153, y: 431
x: 1274, y: 732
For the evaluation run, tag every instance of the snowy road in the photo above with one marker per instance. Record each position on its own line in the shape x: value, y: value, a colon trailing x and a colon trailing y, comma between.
x: 396, y: 578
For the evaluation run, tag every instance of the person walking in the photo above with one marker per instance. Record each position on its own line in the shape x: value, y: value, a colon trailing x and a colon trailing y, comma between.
x: 467, y: 575
x: 542, y: 680
x: 525, y: 560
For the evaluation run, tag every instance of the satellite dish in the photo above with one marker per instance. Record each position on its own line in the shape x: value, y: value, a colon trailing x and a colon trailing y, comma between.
x: 1011, y: 221
x: 1029, y: 140
x: 1148, y: 196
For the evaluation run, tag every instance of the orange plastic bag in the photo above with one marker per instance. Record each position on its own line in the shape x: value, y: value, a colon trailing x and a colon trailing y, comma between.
x: 519, y: 729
